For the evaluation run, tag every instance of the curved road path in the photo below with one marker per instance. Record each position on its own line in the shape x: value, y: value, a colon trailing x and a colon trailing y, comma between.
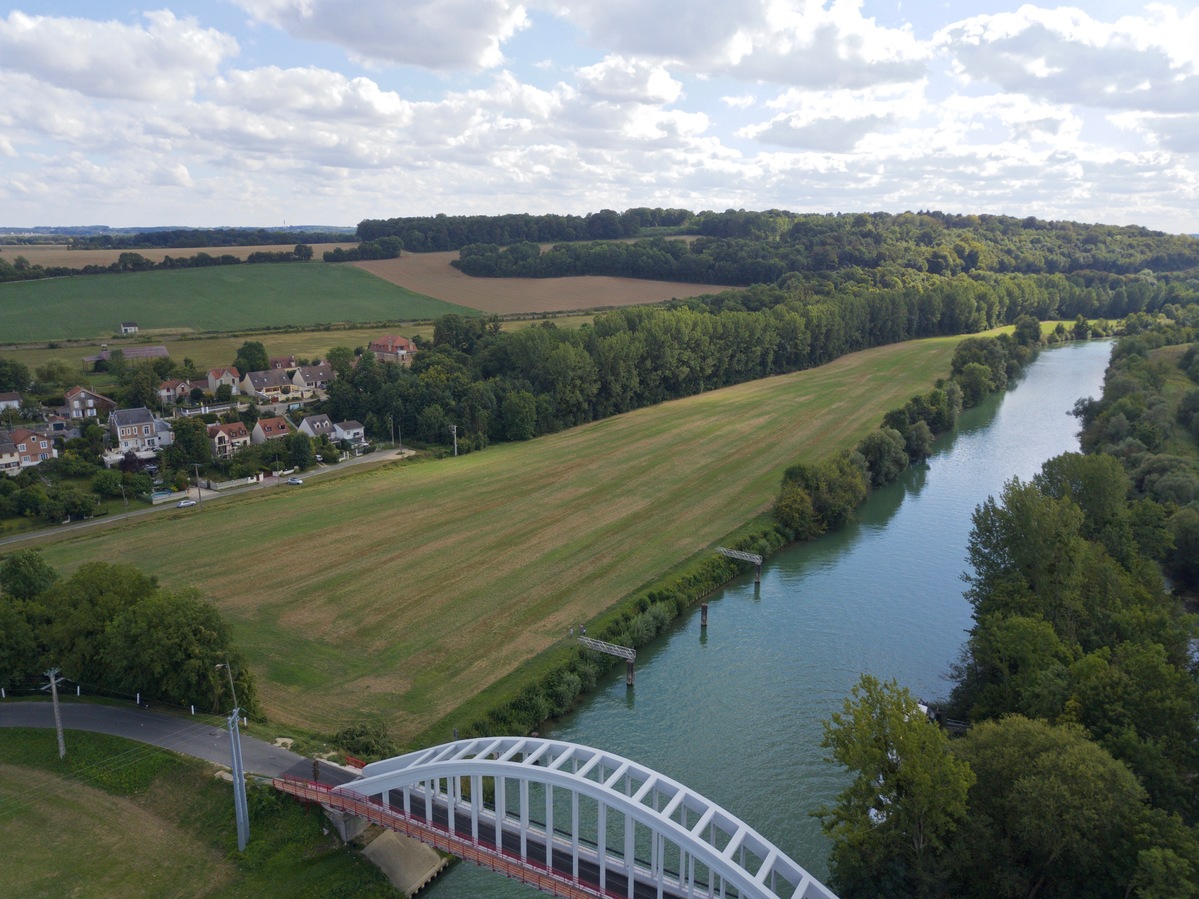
x: 198, y: 737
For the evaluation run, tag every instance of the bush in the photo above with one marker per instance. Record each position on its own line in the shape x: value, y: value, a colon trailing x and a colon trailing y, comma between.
x: 367, y: 740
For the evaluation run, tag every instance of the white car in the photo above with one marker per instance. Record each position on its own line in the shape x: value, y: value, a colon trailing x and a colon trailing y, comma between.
x: 184, y: 503
x: 295, y: 482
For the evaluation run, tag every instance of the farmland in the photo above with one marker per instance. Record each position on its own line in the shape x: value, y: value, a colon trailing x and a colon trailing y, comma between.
x: 221, y: 298
x: 406, y: 590
x: 431, y: 274
x: 59, y: 254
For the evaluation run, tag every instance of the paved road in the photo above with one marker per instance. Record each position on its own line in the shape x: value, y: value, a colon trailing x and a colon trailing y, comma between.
x: 190, y: 736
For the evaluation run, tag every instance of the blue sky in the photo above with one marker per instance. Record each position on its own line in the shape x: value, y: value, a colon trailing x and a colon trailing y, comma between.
x: 260, y: 112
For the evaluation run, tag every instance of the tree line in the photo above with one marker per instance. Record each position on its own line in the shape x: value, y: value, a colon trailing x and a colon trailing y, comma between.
x: 113, y: 628
x: 1078, y: 774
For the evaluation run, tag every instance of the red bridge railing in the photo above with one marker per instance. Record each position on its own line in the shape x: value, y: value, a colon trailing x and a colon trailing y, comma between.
x: 440, y: 837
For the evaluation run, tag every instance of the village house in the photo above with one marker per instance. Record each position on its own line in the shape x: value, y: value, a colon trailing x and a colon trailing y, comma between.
x: 128, y: 328
x: 317, y: 425
x: 286, y: 363
x: 270, y: 429
x: 172, y: 391
x: 228, y: 376
x: 30, y: 449
x: 10, y: 400
x: 393, y: 348
x: 310, y: 378
x: 138, y: 430
x: 270, y: 386
x: 352, y: 431
x: 227, y: 439
x: 84, y: 403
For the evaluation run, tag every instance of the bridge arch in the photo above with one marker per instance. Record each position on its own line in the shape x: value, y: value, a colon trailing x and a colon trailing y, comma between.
x: 639, y: 832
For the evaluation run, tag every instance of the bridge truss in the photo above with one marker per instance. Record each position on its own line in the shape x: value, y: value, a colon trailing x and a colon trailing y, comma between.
x: 585, y: 821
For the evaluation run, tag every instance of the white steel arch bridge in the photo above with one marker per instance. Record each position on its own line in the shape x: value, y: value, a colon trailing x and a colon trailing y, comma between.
x: 571, y: 820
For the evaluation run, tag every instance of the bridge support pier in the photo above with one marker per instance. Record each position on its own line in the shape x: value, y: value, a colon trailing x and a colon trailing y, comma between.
x: 703, y: 615
x: 628, y: 673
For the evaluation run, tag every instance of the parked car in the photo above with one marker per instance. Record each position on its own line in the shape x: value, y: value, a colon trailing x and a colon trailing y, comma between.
x: 295, y: 482
x: 184, y: 503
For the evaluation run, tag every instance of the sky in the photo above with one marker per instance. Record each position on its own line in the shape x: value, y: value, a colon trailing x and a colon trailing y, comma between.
x: 204, y: 113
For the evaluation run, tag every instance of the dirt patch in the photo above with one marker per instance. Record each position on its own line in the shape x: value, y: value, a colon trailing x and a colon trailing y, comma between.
x: 432, y: 275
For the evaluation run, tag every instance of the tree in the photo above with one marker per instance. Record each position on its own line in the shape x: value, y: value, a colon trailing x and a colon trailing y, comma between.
x: 518, y: 411
x: 1051, y: 814
x: 303, y: 252
x: 142, y: 390
x: 341, y: 359
x: 13, y: 376
x: 24, y: 574
x: 191, y: 446
x: 885, y: 454
x: 918, y: 441
x: 299, y: 451
x: 224, y: 393
x: 907, y: 795
x: 251, y: 357
x: 1028, y: 330
x: 54, y: 374
x: 794, y: 512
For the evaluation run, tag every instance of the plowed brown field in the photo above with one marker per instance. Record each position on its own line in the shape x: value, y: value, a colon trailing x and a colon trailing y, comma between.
x: 58, y: 254
x: 432, y: 275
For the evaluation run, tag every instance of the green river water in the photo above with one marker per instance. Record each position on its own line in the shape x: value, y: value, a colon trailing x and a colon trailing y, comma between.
x: 735, y: 712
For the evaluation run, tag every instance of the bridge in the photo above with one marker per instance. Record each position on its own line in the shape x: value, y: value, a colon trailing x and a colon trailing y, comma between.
x: 567, y: 819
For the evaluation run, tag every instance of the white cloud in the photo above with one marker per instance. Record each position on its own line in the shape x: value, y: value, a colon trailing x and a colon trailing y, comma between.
x: 1066, y: 56
x: 621, y: 80
x: 813, y: 43
x: 311, y: 92
x: 162, y: 61
x: 431, y: 34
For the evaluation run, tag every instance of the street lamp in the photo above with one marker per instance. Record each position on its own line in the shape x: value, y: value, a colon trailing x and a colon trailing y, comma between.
x: 240, y: 806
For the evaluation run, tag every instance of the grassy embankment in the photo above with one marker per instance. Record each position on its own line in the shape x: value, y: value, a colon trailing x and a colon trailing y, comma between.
x: 117, y: 818
x: 409, y: 590
x: 224, y: 298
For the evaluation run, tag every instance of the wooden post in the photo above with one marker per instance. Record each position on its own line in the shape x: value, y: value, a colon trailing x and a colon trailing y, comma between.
x: 628, y: 677
x: 703, y: 615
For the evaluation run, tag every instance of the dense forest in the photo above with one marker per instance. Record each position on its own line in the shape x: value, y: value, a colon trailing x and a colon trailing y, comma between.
x: 1077, y: 776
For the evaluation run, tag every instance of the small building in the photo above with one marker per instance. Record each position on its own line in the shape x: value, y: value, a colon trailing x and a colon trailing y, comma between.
x: 228, y: 376
x: 10, y: 400
x: 353, y: 431
x: 227, y: 439
x: 310, y: 378
x: 317, y: 426
x: 270, y: 386
x: 30, y: 448
x: 285, y: 363
x: 270, y: 429
x: 10, y: 459
x: 173, y: 390
x: 393, y: 348
x: 131, y: 353
x: 138, y: 430
x: 128, y: 328
x: 84, y: 403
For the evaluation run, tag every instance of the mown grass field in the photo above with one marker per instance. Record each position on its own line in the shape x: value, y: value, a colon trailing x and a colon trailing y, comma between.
x: 118, y: 818
x: 222, y: 298
x: 405, y: 590
x: 432, y: 274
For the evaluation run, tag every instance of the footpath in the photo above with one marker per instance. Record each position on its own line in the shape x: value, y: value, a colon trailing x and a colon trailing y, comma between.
x: 409, y: 864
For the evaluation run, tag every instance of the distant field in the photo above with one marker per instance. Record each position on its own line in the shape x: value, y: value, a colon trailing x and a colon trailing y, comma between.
x: 431, y: 274
x: 209, y: 352
x: 405, y: 590
x: 221, y: 298
x: 58, y: 254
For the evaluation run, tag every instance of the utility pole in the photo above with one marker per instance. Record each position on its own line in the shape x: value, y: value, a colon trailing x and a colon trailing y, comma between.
x: 454, y: 429
x: 54, y: 679
x: 124, y: 498
x: 200, y: 499
x: 240, y: 807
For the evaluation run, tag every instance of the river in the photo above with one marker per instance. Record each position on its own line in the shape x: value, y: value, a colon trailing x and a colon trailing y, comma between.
x: 736, y: 712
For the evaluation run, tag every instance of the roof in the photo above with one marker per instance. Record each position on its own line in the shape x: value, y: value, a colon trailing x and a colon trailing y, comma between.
x: 139, y: 416
x: 128, y: 324
x: 317, y: 423
x: 77, y: 390
x: 282, y: 361
x: 392, y: 343
x: 224, y: 370
x: 172, y: 384
x: 322, y: 372
x: 10, y: 396
x: 131, y: 352
x: 260, y: 380
x: 233, y: 430
x: 272, y: 426
x: 349, y: 425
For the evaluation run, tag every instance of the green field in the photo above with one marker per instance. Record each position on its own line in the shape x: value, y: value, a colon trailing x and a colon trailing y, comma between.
x: 117, y: 818
x: 406, y: 590
x: 222, y: 298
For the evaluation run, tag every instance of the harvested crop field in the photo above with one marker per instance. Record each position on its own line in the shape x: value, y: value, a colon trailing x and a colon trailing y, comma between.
x: 60, y: 254
x: 432, y: 275
x: 405, y: 590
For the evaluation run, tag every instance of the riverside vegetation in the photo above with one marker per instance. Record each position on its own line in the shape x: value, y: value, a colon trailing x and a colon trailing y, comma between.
x: 1078, y: 776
